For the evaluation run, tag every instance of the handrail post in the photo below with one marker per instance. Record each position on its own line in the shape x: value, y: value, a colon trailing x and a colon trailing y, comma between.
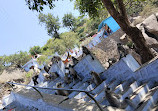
x: 95, y: 101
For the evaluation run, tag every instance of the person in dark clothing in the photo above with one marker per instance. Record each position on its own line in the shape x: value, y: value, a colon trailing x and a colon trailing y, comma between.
x: 34, y: 78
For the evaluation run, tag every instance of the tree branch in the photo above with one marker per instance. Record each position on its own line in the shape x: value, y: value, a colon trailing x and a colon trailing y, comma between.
x: 111, y: 9
x: 122, y: 9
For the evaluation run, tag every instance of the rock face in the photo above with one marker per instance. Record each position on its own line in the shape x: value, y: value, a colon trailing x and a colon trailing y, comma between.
x: 151, y: 42
x: 106, y: 50
x: 149, y: 28
x: 151, y: 25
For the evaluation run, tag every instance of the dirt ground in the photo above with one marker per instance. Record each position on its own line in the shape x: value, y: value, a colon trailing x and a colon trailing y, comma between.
x: 11, y: 73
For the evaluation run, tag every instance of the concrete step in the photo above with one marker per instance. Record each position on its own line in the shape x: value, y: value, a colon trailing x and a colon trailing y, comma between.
x: 155, y: 108
x: 138, y: 96
x: 68, y: 86
x: 114, y: 84
x: 46, y: 84
x: 141, y: 94
x: 101, y: 97
x: 82, y: 87
x: 130, y: 90
x: 124, y: 86
x: 82, y: 94
x: 72, y: 84
x: 141, y: 105
x: 77, y: 85
x: 99, y: 89
x: 151, y: 102
x: 51, y: 85
x: 103, y: 75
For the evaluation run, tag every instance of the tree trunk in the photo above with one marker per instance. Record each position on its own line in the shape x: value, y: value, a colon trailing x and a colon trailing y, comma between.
x: 141, y: 47
x: 133, y: 32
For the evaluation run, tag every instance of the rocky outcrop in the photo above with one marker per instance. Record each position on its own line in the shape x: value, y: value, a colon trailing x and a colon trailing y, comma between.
x: 151, y: 25
x: 151, y: 42
x: 149, y: 28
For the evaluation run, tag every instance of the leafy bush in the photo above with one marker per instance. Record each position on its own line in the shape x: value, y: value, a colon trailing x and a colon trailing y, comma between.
x: 29, y: 74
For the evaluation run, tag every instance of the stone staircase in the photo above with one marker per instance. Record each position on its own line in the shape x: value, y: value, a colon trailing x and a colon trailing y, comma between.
x: 139, y: 93
x: 143, y: 94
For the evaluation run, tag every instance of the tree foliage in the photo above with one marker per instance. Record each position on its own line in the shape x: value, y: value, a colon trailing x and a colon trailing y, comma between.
x: 2, y: 62
x: 52, y: 24
x: 17, y: 59
x: 70, y: 39
x: 43, y: 60
x: 69, y: 21
x: 119, y: 10
x: 67, y: 41
x: 92, y: 7
x: 39, y: 4
x: 35, y: 50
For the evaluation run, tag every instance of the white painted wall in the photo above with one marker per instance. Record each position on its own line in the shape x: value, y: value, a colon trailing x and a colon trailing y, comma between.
x: 59, y: 68
x: 128, y: 67
x: 32, y: 62
x: 86, y: 65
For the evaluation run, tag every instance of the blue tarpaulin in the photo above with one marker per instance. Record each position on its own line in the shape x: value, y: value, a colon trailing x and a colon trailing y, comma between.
x: 111, y: 23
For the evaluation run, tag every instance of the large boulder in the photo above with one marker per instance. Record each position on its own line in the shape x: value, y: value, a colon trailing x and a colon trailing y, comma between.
x: 151, y: 42
x: 151, y: 24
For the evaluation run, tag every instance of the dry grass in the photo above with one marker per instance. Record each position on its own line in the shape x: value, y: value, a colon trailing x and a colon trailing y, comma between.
x: 10, y: 74
x: 148, y: 10
x: 16, y: 75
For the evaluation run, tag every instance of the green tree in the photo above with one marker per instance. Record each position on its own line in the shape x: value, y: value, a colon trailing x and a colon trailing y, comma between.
x: 52, y: 24
x: 117, y: 10
x: 2, y: 62
x: 39, y: 4
x: 69, y: 21
x: 70, y: 39
x: 43, y: 59
x: 17, y: 59
x: 35, y: 50
x: 47, y: 49
x: 67, y: 41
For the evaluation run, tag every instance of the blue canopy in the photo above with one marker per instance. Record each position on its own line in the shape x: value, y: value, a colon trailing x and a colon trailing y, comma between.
x: 111, y: 23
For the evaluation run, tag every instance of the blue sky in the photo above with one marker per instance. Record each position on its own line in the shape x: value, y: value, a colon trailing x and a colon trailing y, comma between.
x: 20, y: 28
